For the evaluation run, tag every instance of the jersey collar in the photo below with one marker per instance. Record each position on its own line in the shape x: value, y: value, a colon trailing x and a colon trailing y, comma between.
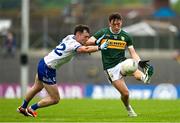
x: 113, y: 32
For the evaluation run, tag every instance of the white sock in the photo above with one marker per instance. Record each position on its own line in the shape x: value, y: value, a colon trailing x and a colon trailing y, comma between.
x: 131, y: 112
x: 128, y: 108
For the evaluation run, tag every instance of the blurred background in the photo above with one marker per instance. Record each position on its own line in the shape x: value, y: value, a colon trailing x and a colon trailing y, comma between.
x: 153, y: 24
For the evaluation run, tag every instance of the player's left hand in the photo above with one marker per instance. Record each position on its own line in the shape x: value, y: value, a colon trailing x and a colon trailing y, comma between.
x: 143, y: 63
x: 104, y: 46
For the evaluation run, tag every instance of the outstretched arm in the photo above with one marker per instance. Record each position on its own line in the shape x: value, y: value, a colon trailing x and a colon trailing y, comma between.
x: 91, y: 41
x: 87, y: 49
x: 94, y: 41
x: 133, y: 53
x: 90, y: 49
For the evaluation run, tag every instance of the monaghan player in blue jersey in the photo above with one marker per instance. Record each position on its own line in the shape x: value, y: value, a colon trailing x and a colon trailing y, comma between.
x: 46, y: 71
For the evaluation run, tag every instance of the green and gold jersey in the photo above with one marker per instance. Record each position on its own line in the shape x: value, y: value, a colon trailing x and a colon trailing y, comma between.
x: 116, y: 48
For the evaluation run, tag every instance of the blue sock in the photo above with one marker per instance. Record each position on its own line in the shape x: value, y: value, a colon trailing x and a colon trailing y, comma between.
x: 35, y: 106
x: 25, y: 104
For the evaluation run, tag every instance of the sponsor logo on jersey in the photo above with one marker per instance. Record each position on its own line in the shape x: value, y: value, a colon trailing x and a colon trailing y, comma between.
x: 115, y: 44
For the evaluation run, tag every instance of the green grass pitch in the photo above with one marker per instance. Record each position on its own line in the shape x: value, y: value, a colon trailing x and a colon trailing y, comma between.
x: 88, y: 110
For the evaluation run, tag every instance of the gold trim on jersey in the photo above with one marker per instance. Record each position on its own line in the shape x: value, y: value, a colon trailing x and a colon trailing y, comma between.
x: 115, y: 44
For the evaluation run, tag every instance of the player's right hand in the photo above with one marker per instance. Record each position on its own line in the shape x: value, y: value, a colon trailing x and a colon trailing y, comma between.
x: 97, y: 42
x: 104, y: 46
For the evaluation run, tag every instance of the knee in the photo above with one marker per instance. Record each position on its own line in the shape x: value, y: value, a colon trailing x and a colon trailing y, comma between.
x: 55, y: 100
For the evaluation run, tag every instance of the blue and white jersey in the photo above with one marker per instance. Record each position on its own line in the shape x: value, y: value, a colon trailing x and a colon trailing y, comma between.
x: 63, y: 53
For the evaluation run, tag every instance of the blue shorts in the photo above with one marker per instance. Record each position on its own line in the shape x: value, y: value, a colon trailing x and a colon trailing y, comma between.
x: 46, y: 74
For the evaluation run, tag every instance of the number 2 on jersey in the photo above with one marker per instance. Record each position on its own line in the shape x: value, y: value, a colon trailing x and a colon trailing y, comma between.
x: 59, y: 50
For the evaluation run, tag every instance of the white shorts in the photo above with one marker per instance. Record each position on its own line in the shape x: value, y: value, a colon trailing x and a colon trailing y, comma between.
x: 114, y: 73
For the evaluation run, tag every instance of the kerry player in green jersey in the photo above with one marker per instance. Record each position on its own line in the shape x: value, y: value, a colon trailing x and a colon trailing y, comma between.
x: 112, y: 58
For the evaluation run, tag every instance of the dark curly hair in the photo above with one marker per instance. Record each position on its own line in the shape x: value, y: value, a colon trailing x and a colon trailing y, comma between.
x: 81, y: 28
x: 115, y: 16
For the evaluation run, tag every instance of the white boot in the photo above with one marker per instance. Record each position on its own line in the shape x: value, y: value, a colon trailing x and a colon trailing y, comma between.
x: 131, y: 112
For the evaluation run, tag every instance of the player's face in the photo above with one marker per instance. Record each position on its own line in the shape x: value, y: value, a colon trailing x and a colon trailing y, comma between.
x: 83, y: 37
x: 115, y: 25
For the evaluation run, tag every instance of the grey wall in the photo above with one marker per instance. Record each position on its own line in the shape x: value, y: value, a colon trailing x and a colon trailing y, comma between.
x: 87, y: 68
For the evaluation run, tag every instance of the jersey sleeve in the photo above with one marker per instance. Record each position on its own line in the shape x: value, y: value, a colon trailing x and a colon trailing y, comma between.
x: 76, y: 46
x: 99, y: 33
x: 129, y: 41
x: 73, y: 45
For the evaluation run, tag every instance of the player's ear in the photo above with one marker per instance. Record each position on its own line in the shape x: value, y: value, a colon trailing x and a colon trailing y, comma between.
x: 109, y: 23
x: 78, y: 35
x: 121, y: 22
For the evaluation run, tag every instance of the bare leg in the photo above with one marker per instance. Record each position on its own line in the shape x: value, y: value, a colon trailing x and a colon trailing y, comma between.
x: 53, y: 97
x: 122, y: 88
x: 37, y: 87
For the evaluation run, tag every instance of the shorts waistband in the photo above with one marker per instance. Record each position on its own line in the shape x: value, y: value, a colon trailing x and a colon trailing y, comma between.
x: 49, y: 66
